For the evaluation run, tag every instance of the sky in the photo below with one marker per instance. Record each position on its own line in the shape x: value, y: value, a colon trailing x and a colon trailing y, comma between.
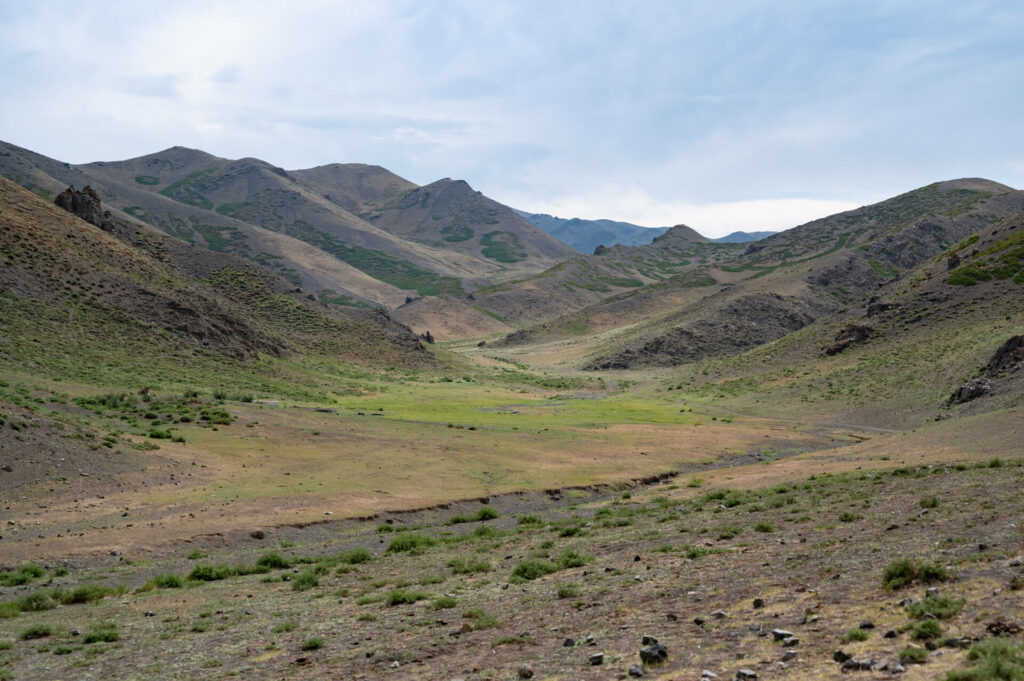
x: 738, y: 115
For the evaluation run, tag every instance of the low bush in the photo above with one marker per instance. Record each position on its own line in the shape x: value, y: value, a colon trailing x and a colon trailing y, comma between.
x: 461, y: 566
x: 356, y: 556
x: 35, y: 631
x: 993, y: 660
x: 25, y: 574
x: 914, y: 655
x: 314, y: 643
x: 533, y: 568
x: 274, y: 561
x: 211, y: 573
x: 444, y: 602
x: 306, y: 580
x: 854, y: 635
x: 905, y: 571
x: 105, y: 632
x: 410, y: 542
x: 401, y: 597
x: 926, y: 630
x: 941, y: 607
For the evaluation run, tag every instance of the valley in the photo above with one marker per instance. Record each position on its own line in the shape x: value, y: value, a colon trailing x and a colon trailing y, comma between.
x: 339, y: 435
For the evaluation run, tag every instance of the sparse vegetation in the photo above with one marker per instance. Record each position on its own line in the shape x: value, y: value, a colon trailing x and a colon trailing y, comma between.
x: 905, y: 571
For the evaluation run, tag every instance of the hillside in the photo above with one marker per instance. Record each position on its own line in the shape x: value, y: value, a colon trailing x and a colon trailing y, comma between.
x: 761, y: 291
x: 67, y: 287
x: 308, y: 224
x: 450, y: 214
x: 588, y: 279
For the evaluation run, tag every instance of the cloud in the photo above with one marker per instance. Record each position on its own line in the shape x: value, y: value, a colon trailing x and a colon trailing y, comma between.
x: 695, y: 108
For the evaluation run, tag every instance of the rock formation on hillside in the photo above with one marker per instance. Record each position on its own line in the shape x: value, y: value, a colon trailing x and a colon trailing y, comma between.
x: 84, y: 204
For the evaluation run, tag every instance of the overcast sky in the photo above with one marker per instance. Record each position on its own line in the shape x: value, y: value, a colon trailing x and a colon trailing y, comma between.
x: 720, y: 115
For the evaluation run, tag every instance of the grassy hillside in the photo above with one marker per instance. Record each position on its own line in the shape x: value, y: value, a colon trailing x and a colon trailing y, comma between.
x: 68, y: 289
x: 449, y: 214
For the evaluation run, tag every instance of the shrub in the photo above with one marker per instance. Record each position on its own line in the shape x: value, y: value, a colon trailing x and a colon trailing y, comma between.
x: 85, y: 593
x: 854, y: 635
x: 444, y: 602
x: 764, y: 526
x: 356, y: 556
x: 35, y: 631
x: 567, y: 591
x: 995, y: 660
x: 314, y: 643
x: 529, y: 520
x: 929, y: 502
x: 196, y: 554
x: 25, y: 574
x: 848, y: 517
x: 486, y: 532
x: 210, y: 573
x: 531, y: 569
x: 926, y: 630
x: 486, y: 513
x: 284, y: 627
x: 728, y: 531
x: 914, y: 655
x: 274, y: 561
x: 569, y: 558
x: 102, y: 633
x: 461, y: 566
x: 306, y: 580
x: 168, y: 582
x: 401, y: 597
x: 410, y: 542
x: 941, y: 607
x: 904, y: 571
x: 9, y: 610
x: 35, y: 602
x: 481, y: 620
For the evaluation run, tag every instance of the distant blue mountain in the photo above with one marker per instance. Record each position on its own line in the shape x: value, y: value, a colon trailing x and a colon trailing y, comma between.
x: 586, y: 235
x: 742, y: 237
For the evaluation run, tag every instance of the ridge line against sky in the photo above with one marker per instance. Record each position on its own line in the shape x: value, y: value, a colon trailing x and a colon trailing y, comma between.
x: 723, y: 116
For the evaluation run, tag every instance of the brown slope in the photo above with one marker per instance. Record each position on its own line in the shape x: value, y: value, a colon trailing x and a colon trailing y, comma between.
x: 80, y: 286
x: 356, y: 187
x: 447, y: 319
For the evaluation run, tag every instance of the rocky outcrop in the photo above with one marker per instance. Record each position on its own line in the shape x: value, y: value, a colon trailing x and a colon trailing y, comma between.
x: 84, y: 204
x: 1009, y: 358
x: 850, y: 334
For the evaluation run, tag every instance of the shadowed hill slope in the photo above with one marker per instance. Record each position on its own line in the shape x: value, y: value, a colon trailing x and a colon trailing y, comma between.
x: 786, y: 281
x: 73, y: 293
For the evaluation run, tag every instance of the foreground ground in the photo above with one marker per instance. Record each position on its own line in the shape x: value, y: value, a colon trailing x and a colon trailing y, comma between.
x: 682, y: 561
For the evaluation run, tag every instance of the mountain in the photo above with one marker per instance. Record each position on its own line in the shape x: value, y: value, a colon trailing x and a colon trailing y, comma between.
x: 587, y: 279
x: 789, y: 280
x: 742, y: 237
x: 311, y: 225
x: 450, y: 214
x: 586, y: 235
x: 87, y: 296
x: 725, y: 298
